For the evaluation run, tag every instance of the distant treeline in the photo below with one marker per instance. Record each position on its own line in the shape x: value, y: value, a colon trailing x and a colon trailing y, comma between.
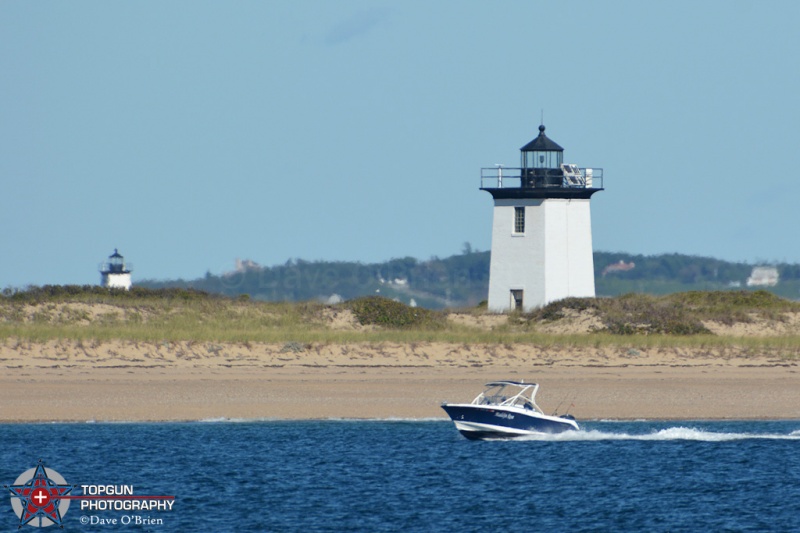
x: 463, y: 280
x: 456, y: 281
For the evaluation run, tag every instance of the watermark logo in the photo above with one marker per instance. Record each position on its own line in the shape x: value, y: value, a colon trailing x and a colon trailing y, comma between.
x: 39, y: 497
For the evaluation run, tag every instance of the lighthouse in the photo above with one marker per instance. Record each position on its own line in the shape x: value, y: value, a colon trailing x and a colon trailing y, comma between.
x: 541, y: 228
x: 114, y: 273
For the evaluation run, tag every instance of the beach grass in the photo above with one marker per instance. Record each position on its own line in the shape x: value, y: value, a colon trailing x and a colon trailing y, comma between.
x: 631, y: 322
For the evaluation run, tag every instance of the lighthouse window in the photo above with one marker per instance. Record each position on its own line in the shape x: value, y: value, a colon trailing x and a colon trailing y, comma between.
x: 519, y: 220
x: 542, y: 159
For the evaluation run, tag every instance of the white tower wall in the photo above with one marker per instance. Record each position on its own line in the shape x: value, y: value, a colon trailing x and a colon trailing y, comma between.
x: 551, y: 260
x: 114, y: 280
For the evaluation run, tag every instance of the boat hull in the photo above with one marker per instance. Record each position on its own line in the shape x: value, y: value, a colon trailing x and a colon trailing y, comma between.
x: 495, y: 422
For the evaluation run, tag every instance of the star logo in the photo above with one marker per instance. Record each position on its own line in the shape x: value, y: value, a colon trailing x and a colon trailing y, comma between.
x: 38, y: 497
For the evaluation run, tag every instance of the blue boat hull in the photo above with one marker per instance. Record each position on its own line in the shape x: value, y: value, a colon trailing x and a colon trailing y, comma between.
x: 481, y: 422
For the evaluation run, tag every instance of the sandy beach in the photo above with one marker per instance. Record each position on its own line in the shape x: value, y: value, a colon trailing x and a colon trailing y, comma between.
x: 123, y: 380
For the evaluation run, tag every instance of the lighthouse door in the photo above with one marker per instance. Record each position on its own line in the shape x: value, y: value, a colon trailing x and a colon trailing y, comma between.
x: 516, y: 299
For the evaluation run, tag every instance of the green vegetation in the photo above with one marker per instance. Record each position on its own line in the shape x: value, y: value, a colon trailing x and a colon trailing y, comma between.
x: 97, y: 294
x: 93, y: 314
x: 674, y: 314
x: 377, y: 311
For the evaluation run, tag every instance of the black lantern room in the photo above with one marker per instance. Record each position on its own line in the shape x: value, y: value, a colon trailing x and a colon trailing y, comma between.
x: 116, y: 264
x: 541, y: 161
x: 542, y: 152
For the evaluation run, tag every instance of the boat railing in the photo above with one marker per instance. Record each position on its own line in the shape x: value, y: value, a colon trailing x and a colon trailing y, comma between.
x: 523, y: 402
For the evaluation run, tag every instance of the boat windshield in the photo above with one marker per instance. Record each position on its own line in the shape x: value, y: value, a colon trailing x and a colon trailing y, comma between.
x: 516, y: 395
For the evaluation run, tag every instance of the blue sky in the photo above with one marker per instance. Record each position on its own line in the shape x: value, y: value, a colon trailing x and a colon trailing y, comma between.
x: 190, y: 133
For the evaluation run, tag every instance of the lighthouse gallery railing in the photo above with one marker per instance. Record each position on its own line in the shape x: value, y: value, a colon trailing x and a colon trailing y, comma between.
x: 511, y: 177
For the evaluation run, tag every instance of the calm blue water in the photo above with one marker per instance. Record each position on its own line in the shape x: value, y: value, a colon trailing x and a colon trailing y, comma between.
x: 423, y: 476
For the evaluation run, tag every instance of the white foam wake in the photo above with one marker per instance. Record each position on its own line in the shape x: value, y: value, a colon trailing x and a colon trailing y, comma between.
x: 672, y: 433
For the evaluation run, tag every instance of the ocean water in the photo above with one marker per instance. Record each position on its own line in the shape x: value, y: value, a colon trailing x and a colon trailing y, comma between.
x: 396, y: 475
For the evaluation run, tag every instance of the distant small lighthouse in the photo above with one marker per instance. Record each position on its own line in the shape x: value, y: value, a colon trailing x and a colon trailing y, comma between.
x: 114, y: 273
x: 542, y: 228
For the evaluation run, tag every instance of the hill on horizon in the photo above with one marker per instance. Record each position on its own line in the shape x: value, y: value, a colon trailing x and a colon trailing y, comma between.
x: 462, y: 280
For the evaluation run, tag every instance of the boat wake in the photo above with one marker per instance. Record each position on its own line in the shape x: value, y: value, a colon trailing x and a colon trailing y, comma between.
x: 673, y: 433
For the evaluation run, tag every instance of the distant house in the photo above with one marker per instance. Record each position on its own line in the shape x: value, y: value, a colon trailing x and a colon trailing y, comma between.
x: 763, y: 276
x: 243, y: 265
x: 622, y: 266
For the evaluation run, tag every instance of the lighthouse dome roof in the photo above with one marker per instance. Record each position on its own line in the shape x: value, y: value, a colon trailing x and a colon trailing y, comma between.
x: 542, y: 143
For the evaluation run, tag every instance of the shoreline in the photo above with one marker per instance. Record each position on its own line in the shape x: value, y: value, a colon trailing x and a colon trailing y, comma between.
x: 118, y: 381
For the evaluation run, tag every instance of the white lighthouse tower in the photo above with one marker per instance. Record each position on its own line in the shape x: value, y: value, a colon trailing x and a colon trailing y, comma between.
x: 114, y: 273
x: 542, y: 228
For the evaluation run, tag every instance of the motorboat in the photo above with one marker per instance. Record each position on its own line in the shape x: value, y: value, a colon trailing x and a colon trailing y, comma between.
x: 506, y: 409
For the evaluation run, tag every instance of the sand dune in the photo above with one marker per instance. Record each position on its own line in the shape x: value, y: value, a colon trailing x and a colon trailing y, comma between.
x: 121, y: 380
